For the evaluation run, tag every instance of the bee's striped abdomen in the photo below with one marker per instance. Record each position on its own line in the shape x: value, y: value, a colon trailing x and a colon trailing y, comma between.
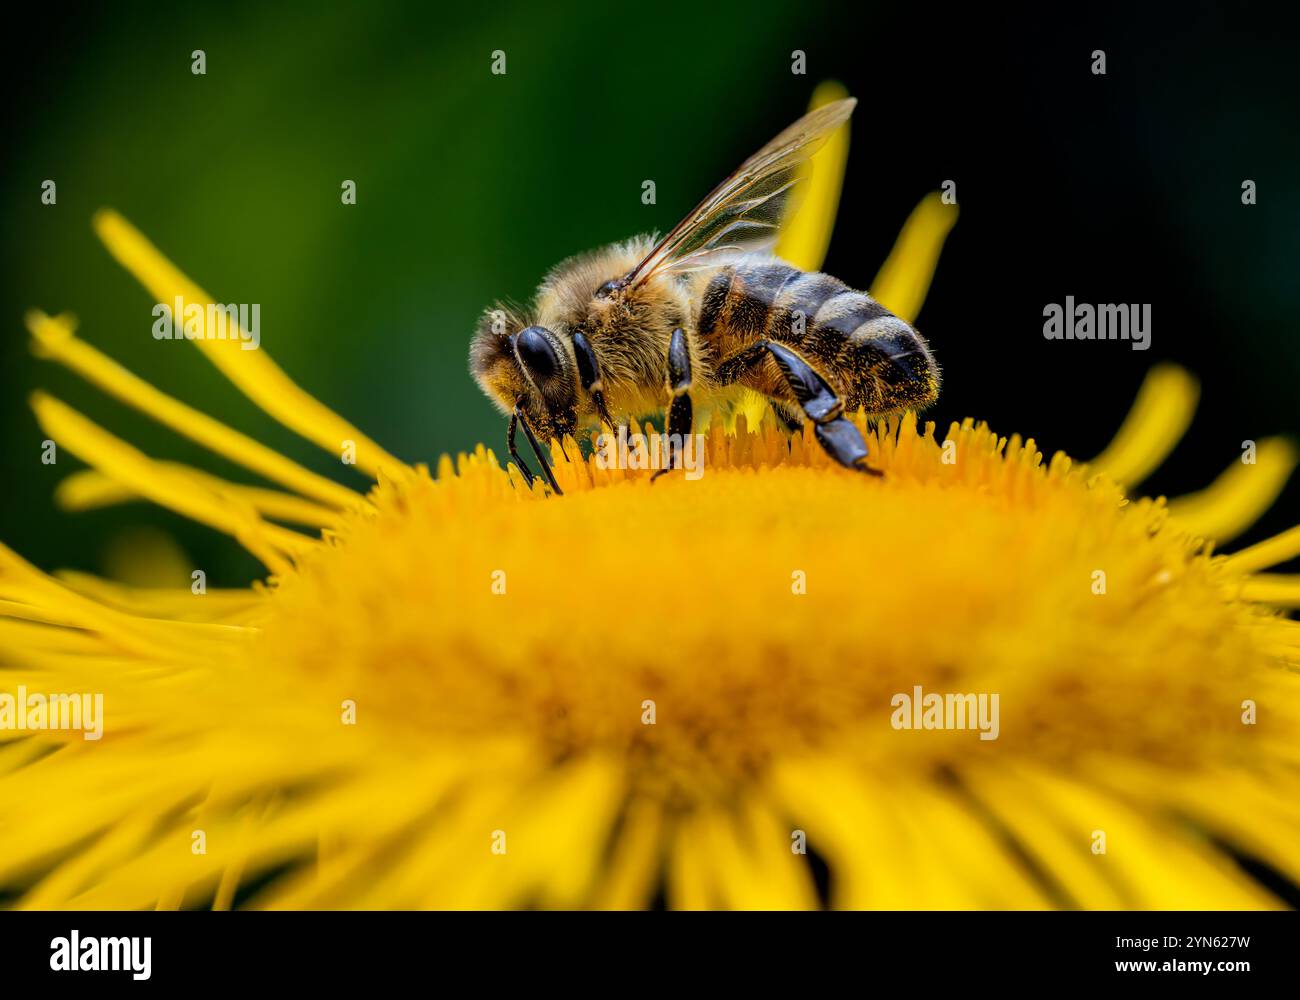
x: 755, y: 300
x: 891, y: 366
x: 877, y: 361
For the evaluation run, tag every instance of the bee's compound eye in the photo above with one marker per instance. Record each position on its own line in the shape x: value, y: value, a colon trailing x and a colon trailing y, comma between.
x: 607, y: 289
x: 536, y: 354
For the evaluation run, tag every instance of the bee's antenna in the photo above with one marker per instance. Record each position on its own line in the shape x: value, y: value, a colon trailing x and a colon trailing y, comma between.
x: 537, y: 450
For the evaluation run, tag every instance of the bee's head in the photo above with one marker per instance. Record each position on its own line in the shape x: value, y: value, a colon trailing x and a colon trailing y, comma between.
x: 526, y: 369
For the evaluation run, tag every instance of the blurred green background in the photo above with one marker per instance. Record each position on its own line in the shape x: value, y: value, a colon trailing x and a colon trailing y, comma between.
x: 471, y: 185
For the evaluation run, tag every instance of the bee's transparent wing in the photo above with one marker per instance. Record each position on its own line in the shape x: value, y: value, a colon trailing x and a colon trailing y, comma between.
x: 743, y: 213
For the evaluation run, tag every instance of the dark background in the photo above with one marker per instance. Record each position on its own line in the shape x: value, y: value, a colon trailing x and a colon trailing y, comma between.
x: 1122, y: 188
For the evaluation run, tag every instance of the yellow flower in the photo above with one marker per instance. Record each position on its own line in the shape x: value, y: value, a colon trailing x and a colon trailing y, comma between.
x: 453, y: 691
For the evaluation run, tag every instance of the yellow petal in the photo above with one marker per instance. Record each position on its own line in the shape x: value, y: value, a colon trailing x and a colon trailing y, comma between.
x: 905, y: 277
x: 1279, y: 589
x: 1270, y: 552
x: 90, y: 489
x: 806, y: 233
x: 173, y: 603
x: 252, y: 371
x: 56, y: 340
x: 1155, y: 424
x: 629, y: 879
x: 166, y: 487
x: 754, y: 867
x: 691, y: 883
x: 1151, y: 860
x: 32, y: 595
x: 1052, y: 848
x: 1240, y: 496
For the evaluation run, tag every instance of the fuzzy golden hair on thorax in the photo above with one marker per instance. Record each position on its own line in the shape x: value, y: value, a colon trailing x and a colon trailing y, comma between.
x: 568, y: 292
x: 629, y: 330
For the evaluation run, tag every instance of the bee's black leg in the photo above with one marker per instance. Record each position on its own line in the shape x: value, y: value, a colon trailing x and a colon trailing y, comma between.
x: 537, y: 451
x: 680, y: 411
x: 589, y: 375
x: 514, y: 452
x: 837, y: 436
x: 841, y: 440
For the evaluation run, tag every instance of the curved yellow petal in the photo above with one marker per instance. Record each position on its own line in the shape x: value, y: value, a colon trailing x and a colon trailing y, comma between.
x: 1238, y: 498
x: 1280, y: 589
x: 252, y: 371
x: 90, y: 489
x: 71, y: 875
x: 753, y: 865
x: 806, y: 233
x: 691, y: 881
x: 905, y: 277
x: 1270, y: 552
x: 629, y: 877
x: 55, y: 339
x: 166, y: 487
x: 1150, y: 861
x: 164, y: 602
x: 1155, y: 424
x: 28, y: 594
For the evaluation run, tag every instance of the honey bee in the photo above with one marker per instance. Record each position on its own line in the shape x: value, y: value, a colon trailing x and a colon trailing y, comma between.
x: 703, y: 314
